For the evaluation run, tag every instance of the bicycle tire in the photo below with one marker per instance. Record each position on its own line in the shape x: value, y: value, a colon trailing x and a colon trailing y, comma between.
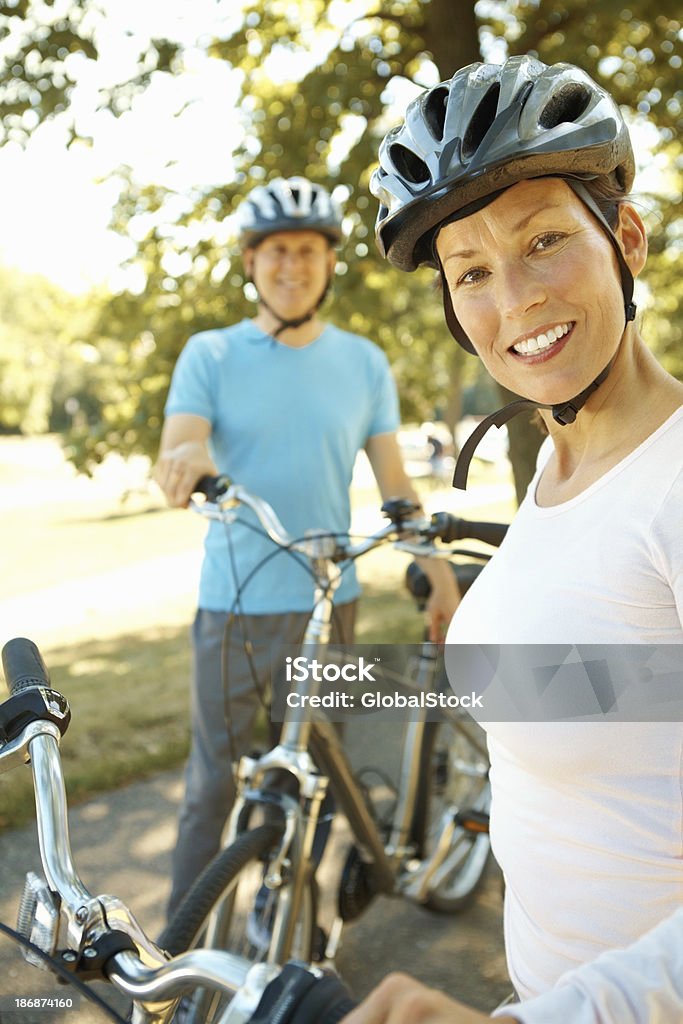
x: 183, y: 930
x: 217, y: 889
x: 453, y: 775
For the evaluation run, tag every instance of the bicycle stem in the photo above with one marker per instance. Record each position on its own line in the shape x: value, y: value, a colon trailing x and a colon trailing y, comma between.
x: 295, y: 734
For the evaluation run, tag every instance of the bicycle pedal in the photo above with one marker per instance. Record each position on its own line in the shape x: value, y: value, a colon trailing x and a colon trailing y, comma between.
x: 473, y: 820
x: 38, y: 920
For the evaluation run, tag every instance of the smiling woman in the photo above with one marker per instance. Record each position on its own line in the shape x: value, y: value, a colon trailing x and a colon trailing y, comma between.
x: 512, y: 181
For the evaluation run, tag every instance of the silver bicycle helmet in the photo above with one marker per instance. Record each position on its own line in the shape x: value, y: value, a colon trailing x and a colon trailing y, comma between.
x: 288, y: 204
x: 489, y: 127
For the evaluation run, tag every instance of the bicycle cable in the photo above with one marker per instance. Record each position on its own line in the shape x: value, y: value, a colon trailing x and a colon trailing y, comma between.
x: 64, y: 973
x: 236, y: 611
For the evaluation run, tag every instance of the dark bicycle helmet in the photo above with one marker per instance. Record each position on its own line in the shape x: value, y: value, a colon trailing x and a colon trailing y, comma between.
x: 288, y: 204
x: 467, y: 140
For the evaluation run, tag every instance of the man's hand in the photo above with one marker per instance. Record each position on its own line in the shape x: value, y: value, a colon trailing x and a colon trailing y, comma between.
x: 399, y: 999
x: 178, y: 470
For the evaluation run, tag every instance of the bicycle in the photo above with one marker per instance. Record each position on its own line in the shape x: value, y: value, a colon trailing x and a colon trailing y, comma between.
x: 435, y: 848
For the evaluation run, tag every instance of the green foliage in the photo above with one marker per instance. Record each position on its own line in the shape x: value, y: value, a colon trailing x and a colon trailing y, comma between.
x: 44, y: 45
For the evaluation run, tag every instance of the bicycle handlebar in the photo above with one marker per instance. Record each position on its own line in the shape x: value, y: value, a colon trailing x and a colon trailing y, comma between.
x: 444, y: 526
x: 450, y: 528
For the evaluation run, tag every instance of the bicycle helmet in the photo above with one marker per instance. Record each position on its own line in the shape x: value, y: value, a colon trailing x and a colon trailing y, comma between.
x: 468, y: 139
x: 288, y: 204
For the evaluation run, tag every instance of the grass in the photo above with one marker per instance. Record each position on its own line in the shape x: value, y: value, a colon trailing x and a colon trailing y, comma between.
x: 129, y: 691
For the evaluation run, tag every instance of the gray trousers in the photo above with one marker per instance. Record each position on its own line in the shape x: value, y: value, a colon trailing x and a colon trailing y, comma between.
x: 223, y: 689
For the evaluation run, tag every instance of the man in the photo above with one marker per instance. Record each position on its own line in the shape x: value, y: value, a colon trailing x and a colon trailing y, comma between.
x: 281, y: 404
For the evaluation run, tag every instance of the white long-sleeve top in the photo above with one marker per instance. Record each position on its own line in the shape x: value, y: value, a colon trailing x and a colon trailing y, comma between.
x: 587, y: 818
x: 642, y: 984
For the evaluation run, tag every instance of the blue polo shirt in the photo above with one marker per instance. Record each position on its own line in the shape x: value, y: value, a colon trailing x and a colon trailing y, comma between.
x: 286, y: 423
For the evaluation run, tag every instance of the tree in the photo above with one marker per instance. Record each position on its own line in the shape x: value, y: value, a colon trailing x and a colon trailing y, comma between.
x: 328, y: 124
x: 41, y: 349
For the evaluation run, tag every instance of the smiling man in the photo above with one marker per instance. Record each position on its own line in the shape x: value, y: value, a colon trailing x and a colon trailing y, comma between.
x: 282, y: 404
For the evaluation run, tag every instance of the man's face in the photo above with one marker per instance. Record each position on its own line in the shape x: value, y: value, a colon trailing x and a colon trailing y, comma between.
x: 290, y: 270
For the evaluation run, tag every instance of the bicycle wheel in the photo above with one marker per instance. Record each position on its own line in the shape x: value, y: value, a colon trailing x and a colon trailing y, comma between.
x: 453, y: 777
x: 229, y: 908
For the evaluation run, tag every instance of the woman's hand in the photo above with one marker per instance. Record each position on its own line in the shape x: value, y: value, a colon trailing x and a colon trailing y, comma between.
x: 443, y: 599
x: 400, y: 999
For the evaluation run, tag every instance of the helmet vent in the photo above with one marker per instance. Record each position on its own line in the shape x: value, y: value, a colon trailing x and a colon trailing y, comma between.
x: 482, y: 119
x: 409, y: 165
x: 435, y: 112
x: 567, y: 105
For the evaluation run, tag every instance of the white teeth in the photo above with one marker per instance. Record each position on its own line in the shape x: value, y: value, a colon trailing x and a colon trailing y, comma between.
x: 542, y: 341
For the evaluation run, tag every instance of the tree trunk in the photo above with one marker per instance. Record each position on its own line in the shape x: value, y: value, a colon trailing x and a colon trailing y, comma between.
x: 525, y: 434
x: 452, y: 35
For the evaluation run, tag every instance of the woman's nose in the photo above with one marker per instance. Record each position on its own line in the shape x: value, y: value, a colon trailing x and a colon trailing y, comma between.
x: 519, y: 290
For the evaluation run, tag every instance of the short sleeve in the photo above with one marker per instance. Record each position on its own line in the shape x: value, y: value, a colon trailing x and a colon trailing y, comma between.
x: 192, y: 389
x: 385, y: 414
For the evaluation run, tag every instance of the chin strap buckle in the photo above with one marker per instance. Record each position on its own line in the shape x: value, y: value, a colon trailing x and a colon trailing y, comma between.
x: 564, y: 414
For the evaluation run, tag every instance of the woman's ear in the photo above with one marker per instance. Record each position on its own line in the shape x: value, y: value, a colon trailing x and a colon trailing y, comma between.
x: 632, y: 237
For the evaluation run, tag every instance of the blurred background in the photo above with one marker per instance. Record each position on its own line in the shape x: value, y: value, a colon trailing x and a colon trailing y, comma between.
x: 130, y: 131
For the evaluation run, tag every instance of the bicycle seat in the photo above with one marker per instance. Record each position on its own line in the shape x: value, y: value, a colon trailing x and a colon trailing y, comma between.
x: 417, y: 581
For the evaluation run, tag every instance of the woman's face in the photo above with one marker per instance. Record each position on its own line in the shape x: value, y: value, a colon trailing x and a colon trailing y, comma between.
x: 534, y: 283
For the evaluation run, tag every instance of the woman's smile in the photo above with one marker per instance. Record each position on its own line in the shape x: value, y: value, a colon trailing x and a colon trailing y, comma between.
x: 543, y: 344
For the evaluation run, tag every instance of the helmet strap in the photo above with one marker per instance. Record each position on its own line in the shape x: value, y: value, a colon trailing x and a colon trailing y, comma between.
x: 285, y: 324
x: 563, y: 413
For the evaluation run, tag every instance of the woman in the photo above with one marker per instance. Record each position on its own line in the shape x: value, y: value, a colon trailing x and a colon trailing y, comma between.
x: 512, y: 180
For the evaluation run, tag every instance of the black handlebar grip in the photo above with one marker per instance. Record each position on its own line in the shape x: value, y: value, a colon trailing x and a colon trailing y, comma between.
x: 298, y: 996
x: 211, y: 486
x: 23, y: 666
x: 451, y: 528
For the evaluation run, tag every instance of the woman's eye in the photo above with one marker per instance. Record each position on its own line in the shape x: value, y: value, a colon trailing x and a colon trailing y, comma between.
x: 472, y: 276
x: 547, y: 240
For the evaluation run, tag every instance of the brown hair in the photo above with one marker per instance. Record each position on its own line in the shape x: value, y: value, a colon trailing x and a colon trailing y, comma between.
x: 607, y: 194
